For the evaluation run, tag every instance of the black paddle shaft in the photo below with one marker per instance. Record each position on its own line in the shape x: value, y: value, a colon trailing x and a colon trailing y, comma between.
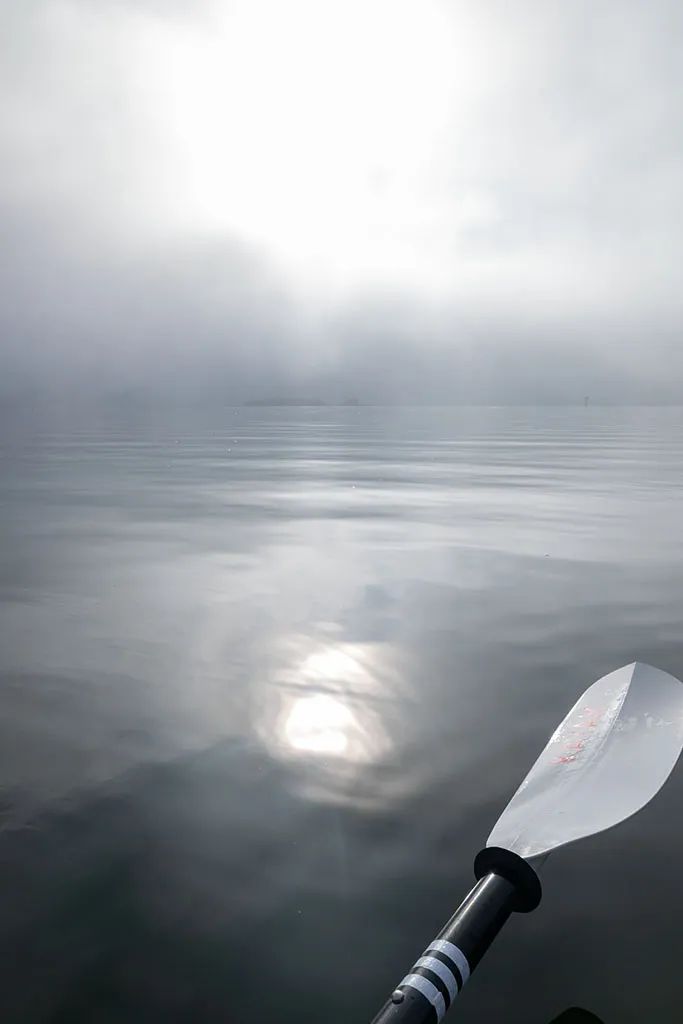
x: 506, y: 884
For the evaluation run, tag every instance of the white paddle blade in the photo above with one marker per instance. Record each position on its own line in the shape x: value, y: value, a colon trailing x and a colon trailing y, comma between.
x: 608, y: 758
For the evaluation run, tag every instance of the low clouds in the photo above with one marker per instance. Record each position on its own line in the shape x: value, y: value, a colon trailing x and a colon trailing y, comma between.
x: 437, y: 201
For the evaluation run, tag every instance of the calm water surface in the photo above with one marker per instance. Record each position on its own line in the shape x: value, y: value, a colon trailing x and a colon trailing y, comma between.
x: 268, y: 677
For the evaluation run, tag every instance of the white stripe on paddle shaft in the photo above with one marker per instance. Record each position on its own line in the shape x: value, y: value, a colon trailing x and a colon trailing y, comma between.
x: 442, y: 971
x: 452, y: 951
x: 429, y: 991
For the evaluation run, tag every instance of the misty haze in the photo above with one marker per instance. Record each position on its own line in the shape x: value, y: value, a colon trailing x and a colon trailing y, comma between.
x: 341, y: 449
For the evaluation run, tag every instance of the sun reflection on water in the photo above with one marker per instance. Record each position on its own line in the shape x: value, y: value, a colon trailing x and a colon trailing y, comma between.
x: 319, y: 724
x: 328, y: 703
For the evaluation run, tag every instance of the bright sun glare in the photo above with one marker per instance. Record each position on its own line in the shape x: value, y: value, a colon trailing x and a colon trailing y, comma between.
x: 325, y: 706
x: 319, y: 724
x: 306, y: 128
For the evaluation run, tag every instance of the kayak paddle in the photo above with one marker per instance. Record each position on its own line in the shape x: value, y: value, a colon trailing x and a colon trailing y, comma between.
x: 608, y: 758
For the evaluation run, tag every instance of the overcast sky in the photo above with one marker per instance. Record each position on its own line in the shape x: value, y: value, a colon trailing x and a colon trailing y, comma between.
x: 431, y: 199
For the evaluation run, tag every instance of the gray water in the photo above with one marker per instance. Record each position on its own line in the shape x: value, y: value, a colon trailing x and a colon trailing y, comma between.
x: 267, y: 677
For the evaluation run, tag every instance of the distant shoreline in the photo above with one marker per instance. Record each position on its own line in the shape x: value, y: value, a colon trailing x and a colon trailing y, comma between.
x: 278, y: 402
x: 298, y: 403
